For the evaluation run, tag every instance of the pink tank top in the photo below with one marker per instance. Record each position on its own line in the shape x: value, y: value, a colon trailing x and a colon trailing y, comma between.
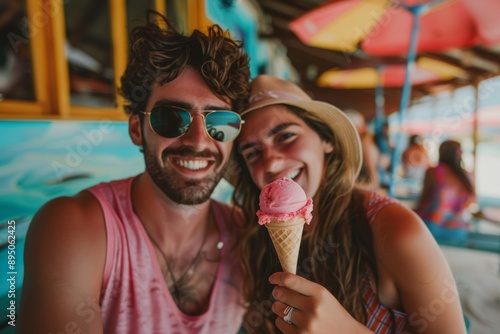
x: 135, y: 298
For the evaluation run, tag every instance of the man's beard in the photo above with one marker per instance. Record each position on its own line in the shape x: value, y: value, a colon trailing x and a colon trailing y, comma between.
x: 179, y: 188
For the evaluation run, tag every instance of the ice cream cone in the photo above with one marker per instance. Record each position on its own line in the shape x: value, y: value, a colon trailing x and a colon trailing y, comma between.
x: 286, y: 237
x: 284, y: 209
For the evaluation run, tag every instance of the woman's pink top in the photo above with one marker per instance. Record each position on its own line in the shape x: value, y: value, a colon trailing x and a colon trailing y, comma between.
x: 446, y: 203
x: 135, y: 298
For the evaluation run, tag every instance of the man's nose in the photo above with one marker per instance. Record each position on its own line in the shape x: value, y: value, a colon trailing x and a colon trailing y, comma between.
x: 196, y: 136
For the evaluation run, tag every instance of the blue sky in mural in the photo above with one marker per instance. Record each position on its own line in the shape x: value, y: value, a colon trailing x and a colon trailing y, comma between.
x: 42, y: 160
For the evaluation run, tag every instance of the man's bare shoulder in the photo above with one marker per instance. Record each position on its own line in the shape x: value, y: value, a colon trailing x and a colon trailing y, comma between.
x: 67, y: 228
x: 81, y: 212
x: 64, y: 262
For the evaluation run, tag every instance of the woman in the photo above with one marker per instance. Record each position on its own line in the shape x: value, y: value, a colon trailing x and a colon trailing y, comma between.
x: 367, y: 264
x: 447, y: 193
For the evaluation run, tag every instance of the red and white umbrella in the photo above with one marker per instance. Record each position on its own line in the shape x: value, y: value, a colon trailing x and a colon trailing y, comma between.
x: 383, y: 27
x: 397, y: 27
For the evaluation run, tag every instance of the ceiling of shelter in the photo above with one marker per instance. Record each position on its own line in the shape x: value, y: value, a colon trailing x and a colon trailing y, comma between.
x: 479, y: 62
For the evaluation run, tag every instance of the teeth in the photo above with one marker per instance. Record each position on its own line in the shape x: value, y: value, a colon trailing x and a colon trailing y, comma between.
x: 293, y: 174
x: 193, y: 164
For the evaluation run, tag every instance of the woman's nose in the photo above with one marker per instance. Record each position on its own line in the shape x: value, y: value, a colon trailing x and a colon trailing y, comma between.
x: 272, y: 160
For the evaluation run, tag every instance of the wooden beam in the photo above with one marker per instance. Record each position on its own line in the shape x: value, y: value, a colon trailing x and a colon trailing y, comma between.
x: 486, y: 54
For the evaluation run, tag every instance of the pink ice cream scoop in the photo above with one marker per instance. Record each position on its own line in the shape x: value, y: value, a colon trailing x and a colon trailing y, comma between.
x: 283, y: 200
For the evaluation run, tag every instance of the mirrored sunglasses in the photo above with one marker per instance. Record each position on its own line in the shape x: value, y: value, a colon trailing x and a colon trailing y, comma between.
x: 173, y: 122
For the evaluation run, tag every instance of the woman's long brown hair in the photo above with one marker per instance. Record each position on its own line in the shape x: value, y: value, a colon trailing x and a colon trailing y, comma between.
x: 335, y: 253
x: 450, y: 154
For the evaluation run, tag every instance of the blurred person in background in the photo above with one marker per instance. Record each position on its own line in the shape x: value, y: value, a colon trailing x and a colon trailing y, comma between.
x: 415, y: 158
x: 385, y: 147
x: 368, y: 178
x: 446, y: 195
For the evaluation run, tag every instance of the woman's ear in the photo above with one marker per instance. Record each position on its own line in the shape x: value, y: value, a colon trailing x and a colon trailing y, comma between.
x: 327, y: 147
x: 135, y: 129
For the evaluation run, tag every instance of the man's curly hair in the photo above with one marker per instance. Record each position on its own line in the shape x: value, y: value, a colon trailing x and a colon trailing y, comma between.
x: 159, y: 54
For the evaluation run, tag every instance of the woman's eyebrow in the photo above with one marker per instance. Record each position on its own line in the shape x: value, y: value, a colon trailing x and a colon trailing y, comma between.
x: 279, y: 127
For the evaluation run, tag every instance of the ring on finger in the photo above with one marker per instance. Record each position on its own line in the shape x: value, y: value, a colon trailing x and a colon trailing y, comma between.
x: 288, y: 314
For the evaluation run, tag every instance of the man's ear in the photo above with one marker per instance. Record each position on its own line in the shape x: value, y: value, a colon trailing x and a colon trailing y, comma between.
x: 135, y: 129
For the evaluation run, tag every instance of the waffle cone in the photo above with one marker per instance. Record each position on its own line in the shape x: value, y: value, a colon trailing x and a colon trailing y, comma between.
x: 286, y: 237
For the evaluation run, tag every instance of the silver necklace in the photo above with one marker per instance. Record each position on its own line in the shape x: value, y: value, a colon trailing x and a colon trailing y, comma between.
x: 189, y: 270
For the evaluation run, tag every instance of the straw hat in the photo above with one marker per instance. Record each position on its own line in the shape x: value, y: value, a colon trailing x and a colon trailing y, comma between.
x: 267, y: 90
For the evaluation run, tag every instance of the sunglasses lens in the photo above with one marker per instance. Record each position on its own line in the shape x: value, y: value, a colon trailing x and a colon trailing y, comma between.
x: 169, y: 122
x: 172, y: 122
x: 223, y: 125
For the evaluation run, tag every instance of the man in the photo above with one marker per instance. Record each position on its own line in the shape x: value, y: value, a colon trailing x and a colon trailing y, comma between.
x: 150, y: 254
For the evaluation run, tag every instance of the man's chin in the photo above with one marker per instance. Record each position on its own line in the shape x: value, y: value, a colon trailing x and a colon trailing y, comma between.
x: 191, y: 198
x: 192, y: 193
